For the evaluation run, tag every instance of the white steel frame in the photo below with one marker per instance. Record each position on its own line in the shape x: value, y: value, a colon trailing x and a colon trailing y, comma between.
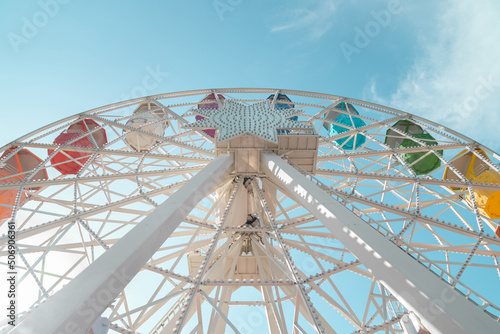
x: 304, y: 265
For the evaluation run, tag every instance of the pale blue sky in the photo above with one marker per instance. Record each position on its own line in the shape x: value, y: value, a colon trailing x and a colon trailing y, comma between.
x: 435, y: 59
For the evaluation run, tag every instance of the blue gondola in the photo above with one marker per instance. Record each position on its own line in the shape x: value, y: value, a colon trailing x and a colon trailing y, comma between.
x: 283, y: 106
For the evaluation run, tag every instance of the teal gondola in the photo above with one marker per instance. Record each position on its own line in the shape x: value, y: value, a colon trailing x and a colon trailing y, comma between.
x: 350, y: 142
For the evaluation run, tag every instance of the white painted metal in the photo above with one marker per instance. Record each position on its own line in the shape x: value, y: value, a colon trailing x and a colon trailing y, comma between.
x: 258, y: 119
x: 75, y: 308
x: 71, y: 221
x: 441, y: 308
x: 407, y: 325
x: 301, y: 289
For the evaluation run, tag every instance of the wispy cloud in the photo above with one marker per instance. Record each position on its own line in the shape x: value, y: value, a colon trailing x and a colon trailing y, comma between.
x: 457, y: 81
x: 315, y: 20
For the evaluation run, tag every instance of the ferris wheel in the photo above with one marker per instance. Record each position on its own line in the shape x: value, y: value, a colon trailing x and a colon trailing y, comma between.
x: 250, y: 211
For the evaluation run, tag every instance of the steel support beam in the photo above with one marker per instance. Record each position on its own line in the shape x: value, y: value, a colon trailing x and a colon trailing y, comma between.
x: 75, y: 308
x: 440, y: 307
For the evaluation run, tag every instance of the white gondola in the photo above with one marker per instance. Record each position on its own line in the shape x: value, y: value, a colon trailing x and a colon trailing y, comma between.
x: 148, y: 119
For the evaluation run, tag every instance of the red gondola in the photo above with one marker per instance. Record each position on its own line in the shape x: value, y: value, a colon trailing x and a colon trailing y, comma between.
x: 213, y: 105
x: 70, y: 162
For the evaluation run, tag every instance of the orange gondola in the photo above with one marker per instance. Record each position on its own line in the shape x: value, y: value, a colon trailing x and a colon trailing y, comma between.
x: 15, y: 169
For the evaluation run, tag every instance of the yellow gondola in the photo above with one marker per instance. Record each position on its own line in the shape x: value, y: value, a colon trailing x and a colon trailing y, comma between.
x: 475, y: 169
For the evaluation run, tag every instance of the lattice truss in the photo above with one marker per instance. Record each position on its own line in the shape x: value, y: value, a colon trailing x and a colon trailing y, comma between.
x: 285, y: 272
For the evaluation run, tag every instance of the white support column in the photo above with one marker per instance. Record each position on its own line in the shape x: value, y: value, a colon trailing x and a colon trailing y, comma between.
x: 440, y: 308
x: 74, y: 309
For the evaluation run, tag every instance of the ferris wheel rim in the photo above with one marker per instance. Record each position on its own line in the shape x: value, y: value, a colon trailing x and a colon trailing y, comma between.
x: 160, y: 97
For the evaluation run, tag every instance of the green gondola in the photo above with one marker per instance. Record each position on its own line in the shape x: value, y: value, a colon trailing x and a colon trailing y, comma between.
x: 393, y: 139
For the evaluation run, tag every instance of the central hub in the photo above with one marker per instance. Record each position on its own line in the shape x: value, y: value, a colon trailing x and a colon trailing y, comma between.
x: 247, y: 130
